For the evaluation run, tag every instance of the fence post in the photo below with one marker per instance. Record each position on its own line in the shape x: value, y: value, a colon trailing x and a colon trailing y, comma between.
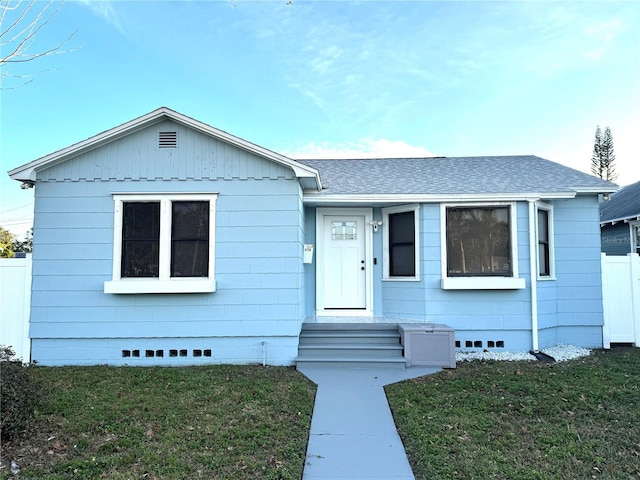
x: 26, y: 340
x: 606, y: 335
x: 634, y: 262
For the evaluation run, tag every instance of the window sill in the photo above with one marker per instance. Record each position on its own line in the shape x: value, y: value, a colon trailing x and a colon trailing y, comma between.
x: 546, y: 279
x: 482, y: 283
x: 183, y: 285
x: 401, y: 279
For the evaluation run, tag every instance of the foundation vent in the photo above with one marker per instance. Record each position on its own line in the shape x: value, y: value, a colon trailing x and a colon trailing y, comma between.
x: 171, y: 353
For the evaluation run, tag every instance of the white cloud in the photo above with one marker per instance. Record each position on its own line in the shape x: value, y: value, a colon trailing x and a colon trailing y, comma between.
x: 106, y: 11
x: 364, y: 148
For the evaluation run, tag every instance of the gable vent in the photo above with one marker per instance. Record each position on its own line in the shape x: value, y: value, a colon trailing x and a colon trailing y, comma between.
x: 168, y: 140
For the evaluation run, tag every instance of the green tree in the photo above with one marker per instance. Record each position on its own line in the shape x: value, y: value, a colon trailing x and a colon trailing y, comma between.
x: 603, y: 157
x: 25, y: 245
x: 6, y: 243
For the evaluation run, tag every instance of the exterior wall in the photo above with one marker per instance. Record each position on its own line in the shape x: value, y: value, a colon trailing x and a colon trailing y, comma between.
x: 403, y: 298
x: 578, y: 272
x: 310, y: 268
x: 616, y: 239
x: 569, y: 305
x: 259, y: 273
x: 479, y: 316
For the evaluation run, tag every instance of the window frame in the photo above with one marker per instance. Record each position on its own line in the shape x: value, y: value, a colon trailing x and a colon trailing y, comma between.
x: 552, y: 270
x: 164, y: 283
x: 484, y: 282
x: 386, y: 260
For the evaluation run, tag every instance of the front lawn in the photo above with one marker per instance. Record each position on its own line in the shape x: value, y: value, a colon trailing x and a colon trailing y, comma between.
x: 524, y: 420
x: 214, y: 422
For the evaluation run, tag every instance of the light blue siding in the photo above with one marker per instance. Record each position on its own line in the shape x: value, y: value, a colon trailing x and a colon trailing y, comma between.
x: 310, y: 268
x: 264, y: 290
x: 578, y: 290
x: 224, y: 349
x: 476, y: 315
x: 259, y: 273
x: 136, y: 157
x: 569, y: 306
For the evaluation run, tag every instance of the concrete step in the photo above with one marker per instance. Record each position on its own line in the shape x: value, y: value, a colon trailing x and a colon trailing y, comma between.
x: 352, y: 362
x: 364, y: 350
x: 350, y: 345
x: 316, y: 337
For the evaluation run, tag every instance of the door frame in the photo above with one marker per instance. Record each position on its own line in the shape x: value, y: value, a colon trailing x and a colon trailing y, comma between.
x: 321, y: 213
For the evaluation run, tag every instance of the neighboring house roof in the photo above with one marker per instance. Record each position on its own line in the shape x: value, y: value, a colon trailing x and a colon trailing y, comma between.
x: 27, y: 173
x: 442, y: 176
x: 624, y: 205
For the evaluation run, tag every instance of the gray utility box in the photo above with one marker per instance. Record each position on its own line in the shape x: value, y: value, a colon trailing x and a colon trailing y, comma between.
x: 428, y: 344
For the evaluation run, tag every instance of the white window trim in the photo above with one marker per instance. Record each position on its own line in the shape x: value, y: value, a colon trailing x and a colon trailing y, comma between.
x: 385, y: 242
x: 552, y: 260
x: 164, y: 283
x: 481, y: 283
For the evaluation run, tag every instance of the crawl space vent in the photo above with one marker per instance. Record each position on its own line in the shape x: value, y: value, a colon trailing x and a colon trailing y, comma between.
x: 167, y: 139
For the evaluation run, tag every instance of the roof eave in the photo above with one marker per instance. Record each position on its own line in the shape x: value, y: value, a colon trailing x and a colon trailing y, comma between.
x: 313, y: 198
x: 596, y: 190
x: 28, y: 171
x: 627, y: 219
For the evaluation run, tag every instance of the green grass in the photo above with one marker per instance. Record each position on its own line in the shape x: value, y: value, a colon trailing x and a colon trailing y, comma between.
x: 217, y: 422
x: 524, y: 420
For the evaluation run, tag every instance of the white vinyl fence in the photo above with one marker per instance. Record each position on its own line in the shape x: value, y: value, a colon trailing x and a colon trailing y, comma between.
x: 15, y: 305
x: 620, y: 292
x: 621, y: 299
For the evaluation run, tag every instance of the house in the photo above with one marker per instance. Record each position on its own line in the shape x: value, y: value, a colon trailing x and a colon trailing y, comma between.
x: 620, y: 221
x: 165, y: 241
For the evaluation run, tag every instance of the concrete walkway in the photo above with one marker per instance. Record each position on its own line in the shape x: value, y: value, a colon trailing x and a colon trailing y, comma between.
x: 352, y: 431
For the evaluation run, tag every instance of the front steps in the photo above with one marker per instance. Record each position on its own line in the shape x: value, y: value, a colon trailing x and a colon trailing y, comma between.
x: 355, y: 345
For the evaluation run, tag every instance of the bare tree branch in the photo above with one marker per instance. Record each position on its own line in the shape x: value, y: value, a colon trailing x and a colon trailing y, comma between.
x: 19, y: 36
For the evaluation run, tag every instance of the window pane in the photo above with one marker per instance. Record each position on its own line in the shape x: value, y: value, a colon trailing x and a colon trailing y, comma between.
x: 478, y: 242
x: 403, y: 262
x: 543, y: 225
x: 402, y: 254
x: 543, y: 243
x: 343, y: 231
x: 190, y: 239
x: 140, y: 239
x: 190, y: 258
x: 543, y: 259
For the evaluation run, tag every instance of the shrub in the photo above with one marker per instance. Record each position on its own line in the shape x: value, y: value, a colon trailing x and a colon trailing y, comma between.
x: 19, y: 393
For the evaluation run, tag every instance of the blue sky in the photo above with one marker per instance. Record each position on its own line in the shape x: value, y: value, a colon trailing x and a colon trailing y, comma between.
x: 336, y: 78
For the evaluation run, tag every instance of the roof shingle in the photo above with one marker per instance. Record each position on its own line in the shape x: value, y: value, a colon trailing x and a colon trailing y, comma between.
x: 451, y: 175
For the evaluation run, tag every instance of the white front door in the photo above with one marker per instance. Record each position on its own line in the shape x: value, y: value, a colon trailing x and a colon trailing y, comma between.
x: 343, y: 266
